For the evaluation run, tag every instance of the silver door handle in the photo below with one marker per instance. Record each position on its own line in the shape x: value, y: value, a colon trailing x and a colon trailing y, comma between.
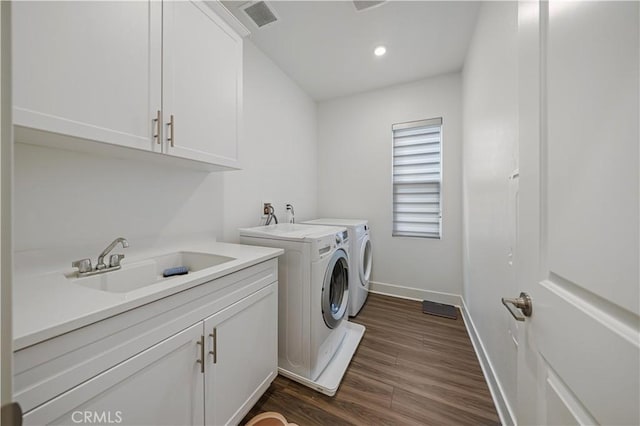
x: 523, y: 303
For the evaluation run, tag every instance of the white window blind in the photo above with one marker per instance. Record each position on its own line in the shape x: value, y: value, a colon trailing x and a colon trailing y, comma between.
x: 417, y: 178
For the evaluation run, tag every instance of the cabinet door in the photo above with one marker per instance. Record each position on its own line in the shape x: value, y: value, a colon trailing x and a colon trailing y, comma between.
x: 243, y: 358
x: 160, y: 386
x: 88, y: 69
x: 202, y: 84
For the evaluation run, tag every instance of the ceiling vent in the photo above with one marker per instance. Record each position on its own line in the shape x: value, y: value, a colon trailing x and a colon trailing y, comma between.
x: 260, y: 13
x: 362, y: 5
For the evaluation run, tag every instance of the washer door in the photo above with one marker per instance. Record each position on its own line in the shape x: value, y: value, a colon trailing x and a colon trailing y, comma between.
x: 335, y: 289
x: 365, y: 260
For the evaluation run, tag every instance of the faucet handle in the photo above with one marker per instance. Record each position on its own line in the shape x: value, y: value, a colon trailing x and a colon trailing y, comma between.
x: 114, y: 260
x: 83, y: 265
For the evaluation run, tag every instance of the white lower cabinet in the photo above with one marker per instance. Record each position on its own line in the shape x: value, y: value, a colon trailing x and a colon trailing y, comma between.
x: 242, y: 356
x: 210, y: 373
x: 160, y: 386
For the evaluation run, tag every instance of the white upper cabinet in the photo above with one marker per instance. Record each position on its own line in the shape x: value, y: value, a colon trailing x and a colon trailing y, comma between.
x: 87, y: 72
x: 202, y: 84
x: 88, y: 69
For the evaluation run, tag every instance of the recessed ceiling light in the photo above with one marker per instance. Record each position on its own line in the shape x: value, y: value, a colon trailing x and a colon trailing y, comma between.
x: 380, y: 50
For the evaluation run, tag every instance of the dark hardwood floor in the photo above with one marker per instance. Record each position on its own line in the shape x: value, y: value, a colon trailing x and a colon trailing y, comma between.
x: 410, y: 369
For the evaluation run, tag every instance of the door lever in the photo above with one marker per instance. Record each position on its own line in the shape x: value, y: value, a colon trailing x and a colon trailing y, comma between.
x: 523, y: 303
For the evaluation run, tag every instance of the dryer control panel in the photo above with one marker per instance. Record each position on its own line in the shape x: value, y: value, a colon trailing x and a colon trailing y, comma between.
x: 330, y: 243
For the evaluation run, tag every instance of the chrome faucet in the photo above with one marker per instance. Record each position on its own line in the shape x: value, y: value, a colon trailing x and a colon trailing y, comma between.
x: 115, y: 258
x: 84, y: 265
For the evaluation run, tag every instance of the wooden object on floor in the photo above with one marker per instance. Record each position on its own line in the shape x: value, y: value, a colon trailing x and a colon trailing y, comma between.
x: 270, y: 418
x: 410, y: 369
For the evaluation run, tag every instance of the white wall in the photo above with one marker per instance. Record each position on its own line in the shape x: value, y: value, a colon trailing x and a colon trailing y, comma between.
x: 354, y: 157
x: 278, y: 150
x: 75, y: 204
x: 73, y: 201
x: 490, y: 152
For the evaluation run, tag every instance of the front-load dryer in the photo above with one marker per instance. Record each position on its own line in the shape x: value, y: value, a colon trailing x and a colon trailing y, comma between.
x: 359, y: 257
x: 313, y: 294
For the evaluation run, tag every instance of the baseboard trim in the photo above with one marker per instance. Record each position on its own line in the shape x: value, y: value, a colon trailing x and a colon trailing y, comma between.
x: 411, y: 293
x: 505, y: 412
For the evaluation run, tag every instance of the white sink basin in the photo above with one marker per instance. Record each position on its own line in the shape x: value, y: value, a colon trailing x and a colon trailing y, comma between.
x: 149, y: 271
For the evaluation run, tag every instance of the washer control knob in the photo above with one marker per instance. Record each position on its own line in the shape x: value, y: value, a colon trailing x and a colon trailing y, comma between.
x: 338, y: 239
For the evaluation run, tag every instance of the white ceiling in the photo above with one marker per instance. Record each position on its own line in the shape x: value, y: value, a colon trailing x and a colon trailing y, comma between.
x: 327, y: 46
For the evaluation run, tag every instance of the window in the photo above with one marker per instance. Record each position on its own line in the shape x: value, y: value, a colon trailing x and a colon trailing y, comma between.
x: 417, y: 178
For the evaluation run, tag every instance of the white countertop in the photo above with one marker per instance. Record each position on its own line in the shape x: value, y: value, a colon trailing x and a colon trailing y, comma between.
x: 337, y: 222
x: 290, y: 231
x: 46, y: 305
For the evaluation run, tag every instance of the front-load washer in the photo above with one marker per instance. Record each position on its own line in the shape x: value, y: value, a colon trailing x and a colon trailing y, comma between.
x: 313, y: 294
x: 359, y: 258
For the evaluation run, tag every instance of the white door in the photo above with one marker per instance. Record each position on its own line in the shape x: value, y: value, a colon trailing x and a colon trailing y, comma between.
x: 202, y: 84
x: 578, y: 360
x: 88, y: 69
x: 160, y: 386
x: 243, y: 356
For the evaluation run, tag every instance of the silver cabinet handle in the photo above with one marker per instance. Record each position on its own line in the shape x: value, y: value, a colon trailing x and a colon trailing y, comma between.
x: 158, y: 121
x: 171, y: 125
x: 201, y: 360
x: 214, y: 352
x: 523, y: 303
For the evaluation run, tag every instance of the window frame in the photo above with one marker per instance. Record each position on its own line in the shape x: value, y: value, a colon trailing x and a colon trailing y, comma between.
x: 408, y: 125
